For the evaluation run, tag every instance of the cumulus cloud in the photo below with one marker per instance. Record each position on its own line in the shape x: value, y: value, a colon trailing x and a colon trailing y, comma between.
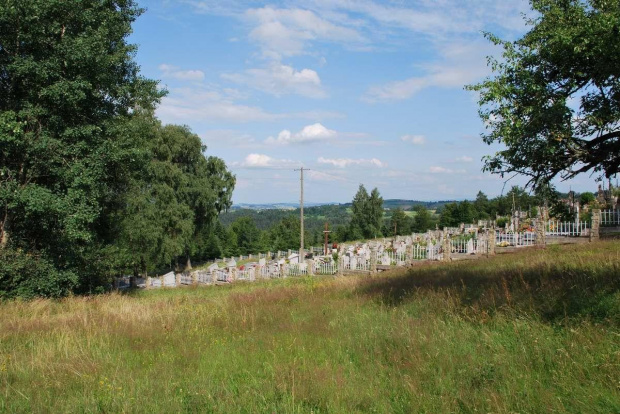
x: 286, y: 32
x: 311, y: 133
x: 264, y: 161
x: 414, y: 139
x: 346, y: 162
x: 278, y: 79
x: 170, y: 71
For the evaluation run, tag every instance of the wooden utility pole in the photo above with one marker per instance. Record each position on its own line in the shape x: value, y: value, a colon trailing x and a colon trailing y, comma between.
x: 302, y: 255
x: 326, y: 233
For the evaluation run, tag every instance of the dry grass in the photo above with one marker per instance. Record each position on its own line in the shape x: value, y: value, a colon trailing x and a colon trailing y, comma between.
x: 537, y: 331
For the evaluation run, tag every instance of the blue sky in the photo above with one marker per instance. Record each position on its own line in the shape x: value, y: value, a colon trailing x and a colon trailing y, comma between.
x: 358, y: 91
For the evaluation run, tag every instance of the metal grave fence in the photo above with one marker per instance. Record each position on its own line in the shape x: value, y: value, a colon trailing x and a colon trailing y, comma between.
x: 610, y: 218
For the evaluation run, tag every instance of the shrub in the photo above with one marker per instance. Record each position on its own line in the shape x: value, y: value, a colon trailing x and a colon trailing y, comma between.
x: 25, y: 275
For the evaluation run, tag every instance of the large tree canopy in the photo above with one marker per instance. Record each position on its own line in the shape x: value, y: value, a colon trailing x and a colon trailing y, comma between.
x: 554, y: 101
x: 90, y: 182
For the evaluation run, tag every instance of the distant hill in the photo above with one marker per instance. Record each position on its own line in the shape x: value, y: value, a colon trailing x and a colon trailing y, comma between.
x: 410, y: 204
x: 276, y: 206
x: 388, y: 204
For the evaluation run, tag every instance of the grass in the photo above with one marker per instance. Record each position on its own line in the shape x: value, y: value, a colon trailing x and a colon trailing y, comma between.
x: 535, y: 331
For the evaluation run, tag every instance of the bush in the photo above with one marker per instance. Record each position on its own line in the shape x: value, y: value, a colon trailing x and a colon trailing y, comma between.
x: 502, y: 221
x: 26, y: 276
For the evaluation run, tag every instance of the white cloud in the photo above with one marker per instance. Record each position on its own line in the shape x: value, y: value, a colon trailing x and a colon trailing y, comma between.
x: 431, y: 17
x: 439, y: 170
x: 311, y: 133
x: 228, y: 138
x: 170, y: 71
x: 345, y: 162
x: 322, y: 176
x: 464, y: 158
x: 443, y: 170
x: 183, y: 105
x: 286, y: 32
x: 278, y: 79
x: 414, y: 139
x: 264, y: 161
x: 460, y: 64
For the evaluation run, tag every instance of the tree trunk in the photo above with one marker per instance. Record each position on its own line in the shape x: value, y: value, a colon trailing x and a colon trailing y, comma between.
x: 4, y: 233
x: 188, y: 265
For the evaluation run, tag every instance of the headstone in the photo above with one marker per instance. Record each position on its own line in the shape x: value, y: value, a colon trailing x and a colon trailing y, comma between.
x: 470, y: 246
x: 596, y: 223
x: 446, y: 248
x: 169, y: 279
x: 373, y: 258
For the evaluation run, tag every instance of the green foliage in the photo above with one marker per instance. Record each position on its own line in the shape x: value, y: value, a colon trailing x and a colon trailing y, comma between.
x: 449, y: 216
x: 586, y: 198
x: 27, y: 276
x: 399, y: 223
x: 501, y: 222
x: 286, y: 234
x: 570, y: 55
x: 367, y: 215
x: 67, y: 90
x: 247, y: 235
x: 91, y: 184
x: 422, y: 220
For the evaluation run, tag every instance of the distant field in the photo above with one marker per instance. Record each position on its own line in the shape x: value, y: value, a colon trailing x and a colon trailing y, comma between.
x: 534, y: 331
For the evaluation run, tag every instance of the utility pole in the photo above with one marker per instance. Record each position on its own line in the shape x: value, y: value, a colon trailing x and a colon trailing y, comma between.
x: 326, y: 232
x: 302, y: 255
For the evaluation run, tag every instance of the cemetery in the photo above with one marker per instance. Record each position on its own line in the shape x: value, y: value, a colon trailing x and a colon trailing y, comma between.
x: 465, y: 242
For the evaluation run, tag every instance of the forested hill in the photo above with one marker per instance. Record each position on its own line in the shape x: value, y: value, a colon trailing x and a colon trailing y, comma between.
x: 266, y: 215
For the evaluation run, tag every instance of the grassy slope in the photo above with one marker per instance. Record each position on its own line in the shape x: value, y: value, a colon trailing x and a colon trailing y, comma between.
x: 537, y: 331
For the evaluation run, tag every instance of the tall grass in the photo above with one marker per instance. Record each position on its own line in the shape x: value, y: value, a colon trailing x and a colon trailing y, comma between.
x: 536, y: 331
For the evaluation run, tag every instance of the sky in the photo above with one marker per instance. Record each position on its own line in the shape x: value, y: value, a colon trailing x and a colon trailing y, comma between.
x: 357, y: 91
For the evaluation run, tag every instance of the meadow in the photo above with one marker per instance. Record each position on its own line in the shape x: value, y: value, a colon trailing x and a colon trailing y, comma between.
x: 532, y: 331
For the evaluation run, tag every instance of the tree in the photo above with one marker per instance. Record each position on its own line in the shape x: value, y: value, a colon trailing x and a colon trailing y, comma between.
x: 358, y: 228
x: 422, y: 220
x: 285, y: 235
x: 375, y: 213
x: 68, y: 86
x: 586, y: 198
x: 481, y: 205
x: 399, y: 223
x: 367, y: 214
x: 555, y: 99
x: 248, y: 235
x: 465, y: 212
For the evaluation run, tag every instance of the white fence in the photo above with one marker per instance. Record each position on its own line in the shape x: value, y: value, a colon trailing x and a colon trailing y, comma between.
x: 297, y: 269
x: 556, y: 228
x: 517, y: 239
x: 610, y: 218
x: 325, y: 268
